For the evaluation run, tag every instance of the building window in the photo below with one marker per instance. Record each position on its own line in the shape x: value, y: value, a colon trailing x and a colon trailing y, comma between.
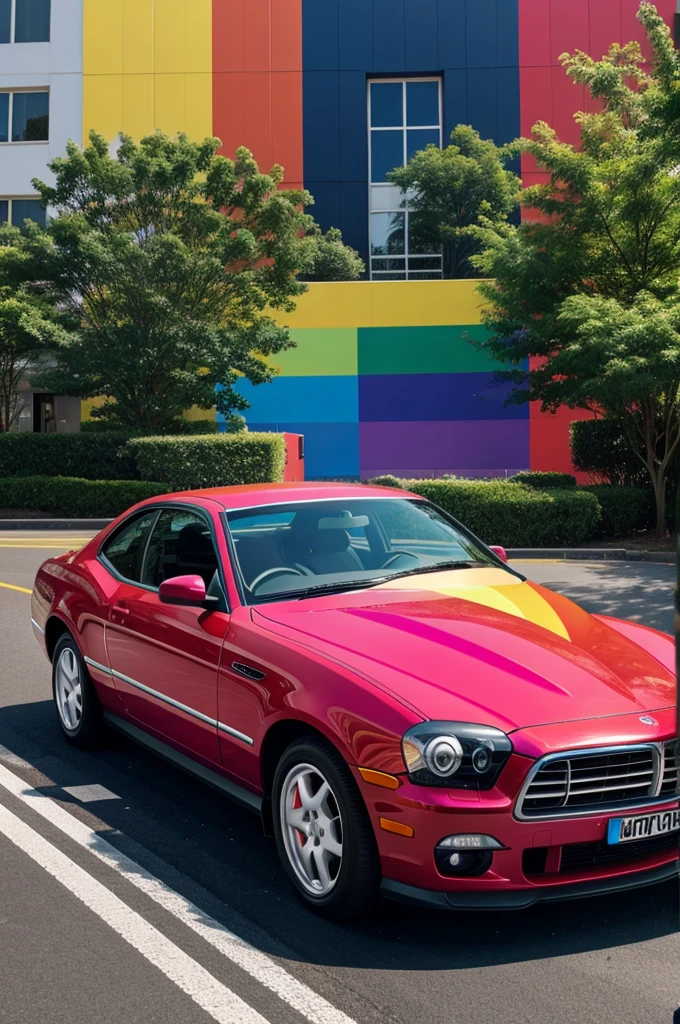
x: 24, y: 116
x: 24, y: 21
x: 404, y: 116
x: 16, y: 211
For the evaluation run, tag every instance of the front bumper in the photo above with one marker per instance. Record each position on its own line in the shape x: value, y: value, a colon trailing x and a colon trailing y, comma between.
x: 513, y: 880
x: 519, y: 899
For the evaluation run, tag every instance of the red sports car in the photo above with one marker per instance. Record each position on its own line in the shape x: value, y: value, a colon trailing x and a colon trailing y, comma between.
x: 406, y: 712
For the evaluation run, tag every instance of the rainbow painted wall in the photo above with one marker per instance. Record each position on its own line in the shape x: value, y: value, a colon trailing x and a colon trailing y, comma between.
x: 385, y: 379
x: 381, y: 379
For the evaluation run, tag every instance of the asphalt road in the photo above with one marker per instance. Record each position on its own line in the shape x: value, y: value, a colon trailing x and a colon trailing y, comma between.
x: 89, y: 936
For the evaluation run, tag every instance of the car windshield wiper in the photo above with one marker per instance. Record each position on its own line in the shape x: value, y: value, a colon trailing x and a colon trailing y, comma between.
x: 345, y: 585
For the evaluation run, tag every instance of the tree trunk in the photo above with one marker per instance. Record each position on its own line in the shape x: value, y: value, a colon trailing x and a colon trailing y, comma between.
x: 659, y: 481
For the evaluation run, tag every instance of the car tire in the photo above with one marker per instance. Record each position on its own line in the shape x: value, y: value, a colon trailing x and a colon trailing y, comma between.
x: 332, y: 857
x: 78, y: 709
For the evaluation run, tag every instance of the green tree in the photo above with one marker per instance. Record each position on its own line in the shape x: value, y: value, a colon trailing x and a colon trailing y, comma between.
x: 169, y: 259
x: 446, y: 192
x: 329, y: 259
x: 30, y: 331
x: 589, y: 295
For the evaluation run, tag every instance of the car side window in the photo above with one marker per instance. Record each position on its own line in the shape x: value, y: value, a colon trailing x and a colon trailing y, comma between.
x: 125, y: 549
x: 181, y: 544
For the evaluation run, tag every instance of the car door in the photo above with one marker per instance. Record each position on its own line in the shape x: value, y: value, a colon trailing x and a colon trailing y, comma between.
x: 165, y: 657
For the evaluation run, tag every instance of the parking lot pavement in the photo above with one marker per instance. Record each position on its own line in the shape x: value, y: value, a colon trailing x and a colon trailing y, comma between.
x: 72, y: 955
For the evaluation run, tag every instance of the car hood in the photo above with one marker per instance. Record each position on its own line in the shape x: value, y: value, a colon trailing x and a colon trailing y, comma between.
x: 484, y: 646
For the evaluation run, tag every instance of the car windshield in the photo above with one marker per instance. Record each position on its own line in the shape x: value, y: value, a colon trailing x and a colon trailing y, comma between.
x: 294, y: 550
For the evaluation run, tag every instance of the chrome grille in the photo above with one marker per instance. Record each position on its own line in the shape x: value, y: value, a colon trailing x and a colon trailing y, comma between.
x: 586, y: 781
x: 670, y: 781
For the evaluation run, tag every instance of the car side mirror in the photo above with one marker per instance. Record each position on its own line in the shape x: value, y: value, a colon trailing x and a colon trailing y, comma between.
x: 186, y: 590
x: 500, y: 552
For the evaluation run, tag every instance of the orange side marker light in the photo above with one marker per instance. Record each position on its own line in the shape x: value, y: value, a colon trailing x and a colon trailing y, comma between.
x: 397, y: 827
x: 379, y: 778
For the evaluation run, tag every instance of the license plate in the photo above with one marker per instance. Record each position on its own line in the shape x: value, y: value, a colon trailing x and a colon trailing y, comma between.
x: 642, y: 826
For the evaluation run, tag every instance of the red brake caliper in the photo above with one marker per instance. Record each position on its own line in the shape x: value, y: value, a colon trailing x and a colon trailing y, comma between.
x: 297, y: 802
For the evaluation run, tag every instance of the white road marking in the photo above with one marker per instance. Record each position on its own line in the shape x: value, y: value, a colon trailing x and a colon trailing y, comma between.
x: 251, y: 960
x: 90, y: 794
x: 221, y: 1003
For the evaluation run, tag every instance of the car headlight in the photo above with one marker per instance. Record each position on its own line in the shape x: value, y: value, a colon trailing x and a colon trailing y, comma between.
x: 455, y: 754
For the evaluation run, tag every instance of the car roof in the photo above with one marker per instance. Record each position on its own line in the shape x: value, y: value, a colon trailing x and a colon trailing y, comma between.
x: 252, y: 495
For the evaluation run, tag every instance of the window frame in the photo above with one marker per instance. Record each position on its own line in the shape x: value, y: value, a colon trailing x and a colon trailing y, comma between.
x: 159, y: 509
x: 13, y: 25
x: 407, y: 274
x: 10, y: 116
x: 10, y: 200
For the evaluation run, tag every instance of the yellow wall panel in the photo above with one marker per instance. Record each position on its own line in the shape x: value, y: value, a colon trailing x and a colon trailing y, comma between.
x: 386, y: 304
x: 198, y: 36
x: 138, y: 18
x: 170, y: 28
x: 138, y: 105
x: 103, y: 105
x: 103, y: 37
x: 198, y: 120
x: 170, y: 103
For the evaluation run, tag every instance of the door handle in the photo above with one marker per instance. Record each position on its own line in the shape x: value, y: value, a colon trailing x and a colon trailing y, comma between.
x: 121, y: 607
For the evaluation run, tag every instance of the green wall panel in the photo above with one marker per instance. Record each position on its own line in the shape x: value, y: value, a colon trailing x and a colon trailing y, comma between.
x: 320, y: 352
x: 392, y: 350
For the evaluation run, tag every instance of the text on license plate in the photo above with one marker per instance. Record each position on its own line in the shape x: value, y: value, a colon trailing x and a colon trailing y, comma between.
x: 642, y: 826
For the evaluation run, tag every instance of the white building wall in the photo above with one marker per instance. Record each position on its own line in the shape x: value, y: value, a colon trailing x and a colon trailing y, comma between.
x: 57, y: 66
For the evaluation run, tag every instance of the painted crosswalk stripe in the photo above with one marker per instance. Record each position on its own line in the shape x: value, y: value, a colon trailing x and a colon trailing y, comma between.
x: 211, y: 995
x: 258, y: 965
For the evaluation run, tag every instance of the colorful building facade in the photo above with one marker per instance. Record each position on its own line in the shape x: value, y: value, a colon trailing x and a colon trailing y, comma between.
x: 338, y: 92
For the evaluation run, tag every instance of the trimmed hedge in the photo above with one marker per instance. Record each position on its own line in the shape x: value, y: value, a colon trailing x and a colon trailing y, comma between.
x: 514, y: 515
x: 74, y: 498
x: 600, y: 448
x: 219, y: 461
x: 544, y: 481
x: 181, y: 427
x: 625, y: 510
x: 97, y: 456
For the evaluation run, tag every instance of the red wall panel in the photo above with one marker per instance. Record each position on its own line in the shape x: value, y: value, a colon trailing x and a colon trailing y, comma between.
x: 257, y: 81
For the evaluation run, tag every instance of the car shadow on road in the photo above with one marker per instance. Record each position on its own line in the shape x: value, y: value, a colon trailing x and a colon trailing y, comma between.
x: 214, y: 854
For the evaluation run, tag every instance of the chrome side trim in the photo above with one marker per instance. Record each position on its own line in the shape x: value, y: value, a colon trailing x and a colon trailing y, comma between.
x: 38, y: 628
x: 173, y: 703
x: 657, y: 750
x: 235, y: 733
x: 242, y: 796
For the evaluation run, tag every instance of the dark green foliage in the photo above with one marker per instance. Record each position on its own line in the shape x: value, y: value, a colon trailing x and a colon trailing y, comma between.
x: 385, y: 481
x: 601, y: 448
x: 184, y: 427
x: 451, y: 189
x: 544, y: 480
x: 96, y: 456
x: 514, y: 515
x: 625, y: 510
x: 73, y: 498
x: 224, y: 460
x: 329, y: 259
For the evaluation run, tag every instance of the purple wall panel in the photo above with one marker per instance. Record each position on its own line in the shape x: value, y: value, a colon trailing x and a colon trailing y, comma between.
x: 479, y: 448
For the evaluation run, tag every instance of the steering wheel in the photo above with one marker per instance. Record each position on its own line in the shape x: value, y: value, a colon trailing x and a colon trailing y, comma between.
x: 276, y: 571
x: 396, y: 555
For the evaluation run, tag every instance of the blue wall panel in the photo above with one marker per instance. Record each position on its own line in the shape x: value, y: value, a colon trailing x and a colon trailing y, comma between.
x: 421, y: 36
x: 312, y: 399
x: 326, y: 209
x: 507, y: 34
x: 410, y: 397
x: 389, y: 36
x: 480, y: 33
x: 451, y: 31
x: 507, y: 106
x: 482, y: 101
x: 320, y: 34
x: 354, y: 214
x: 355, y: 36
x: 455, y: 101
x: 352, y: 112
x: 321, y: 126
x: 331, y: 449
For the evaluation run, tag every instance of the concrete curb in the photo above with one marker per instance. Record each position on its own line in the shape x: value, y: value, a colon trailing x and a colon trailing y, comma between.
x: 592, y: 555
x: 54, y: 524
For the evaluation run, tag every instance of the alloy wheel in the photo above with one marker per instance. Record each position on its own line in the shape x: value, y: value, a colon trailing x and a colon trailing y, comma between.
x: 311, y: 825
x: 69, y: 690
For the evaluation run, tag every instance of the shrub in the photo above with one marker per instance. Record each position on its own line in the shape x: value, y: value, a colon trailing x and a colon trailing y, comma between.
x: 96, y: 456
x: 224, y: 460
x: 183, y: 427
x: 514, y: 515
x: 600, y: 448
x: 625, y: 510
x: 544, y: 480
x: 74, y: 498
x: 385, y: 481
